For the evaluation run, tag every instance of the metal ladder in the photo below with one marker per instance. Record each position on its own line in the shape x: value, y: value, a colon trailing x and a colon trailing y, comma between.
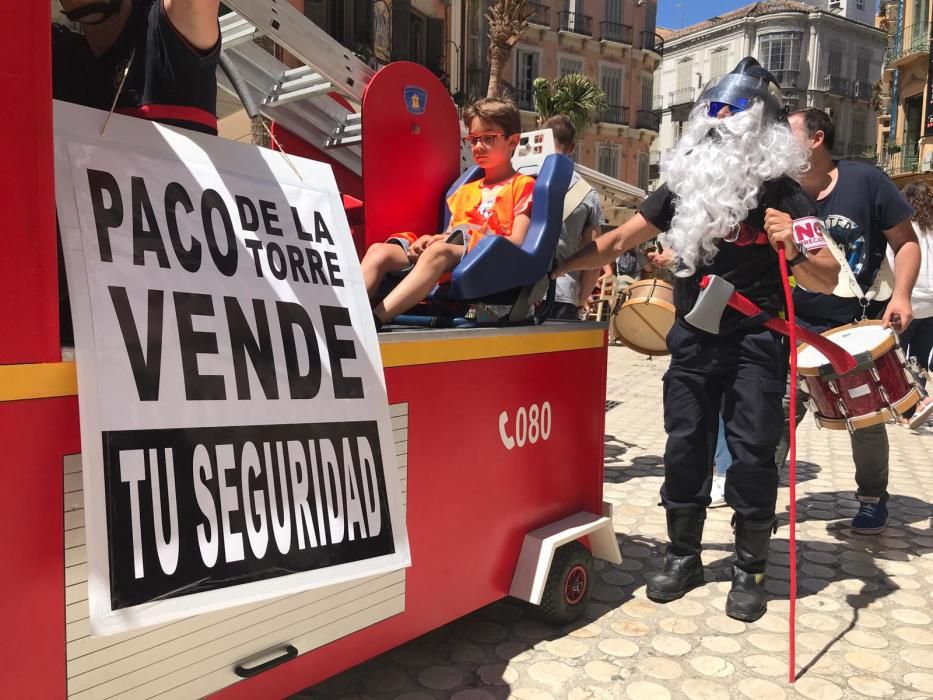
x: 298, y: 98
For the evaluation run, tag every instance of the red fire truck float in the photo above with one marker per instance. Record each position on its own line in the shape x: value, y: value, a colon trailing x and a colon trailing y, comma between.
x: 498, y: 431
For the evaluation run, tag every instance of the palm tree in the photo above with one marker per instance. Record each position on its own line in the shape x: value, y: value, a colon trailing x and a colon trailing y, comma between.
x: 574, y: 95
x: 508, y: 20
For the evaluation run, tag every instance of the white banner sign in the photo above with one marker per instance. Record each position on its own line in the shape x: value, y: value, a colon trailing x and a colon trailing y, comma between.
x: 235, y: 429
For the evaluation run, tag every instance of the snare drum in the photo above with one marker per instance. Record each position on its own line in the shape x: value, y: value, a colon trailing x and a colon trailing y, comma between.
x: 647, y: 314
x: 879, y: 389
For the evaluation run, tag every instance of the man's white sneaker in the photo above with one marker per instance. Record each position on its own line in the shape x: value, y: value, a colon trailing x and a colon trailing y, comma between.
x: 718, y: 492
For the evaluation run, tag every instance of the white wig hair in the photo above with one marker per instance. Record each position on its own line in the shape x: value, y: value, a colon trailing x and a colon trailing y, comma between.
x: 716, y: 172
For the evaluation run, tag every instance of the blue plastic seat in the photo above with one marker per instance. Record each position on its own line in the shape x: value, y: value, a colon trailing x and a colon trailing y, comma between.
x: 496, y: 271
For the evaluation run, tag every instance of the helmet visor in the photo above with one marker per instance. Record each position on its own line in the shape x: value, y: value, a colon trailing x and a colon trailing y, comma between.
x: 740, y: 91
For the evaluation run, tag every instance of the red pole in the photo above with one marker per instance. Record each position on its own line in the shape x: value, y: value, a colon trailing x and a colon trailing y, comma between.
x: 792, y: 472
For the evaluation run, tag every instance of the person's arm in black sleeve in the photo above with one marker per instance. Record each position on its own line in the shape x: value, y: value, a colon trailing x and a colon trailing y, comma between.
x: 657, y: 209
x: 817, y: 270
x: 195, y: 21
x: 183, y: 50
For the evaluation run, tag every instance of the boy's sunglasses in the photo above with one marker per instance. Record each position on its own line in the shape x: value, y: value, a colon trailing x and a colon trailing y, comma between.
x: 716, y: 107
x: 488, y: 140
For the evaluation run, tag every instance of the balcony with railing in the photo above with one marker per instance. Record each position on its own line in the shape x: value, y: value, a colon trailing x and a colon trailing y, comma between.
x: 907, y: 160
x: 613, y: 31
x: 576, y: 23
x: 786, y: 78
x: 915, y: 40
x: 862, y: 89
x: 648, y: 119
x: 614, y: 114
x: 652, y: 41
x: 541, y: 14
x: 884, y: 106
x: 683, y: 96
x: 836, y: 85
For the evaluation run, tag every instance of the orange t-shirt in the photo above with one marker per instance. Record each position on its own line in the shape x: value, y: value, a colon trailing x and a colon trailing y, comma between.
x: 483, y: 210
x: 490, y: 210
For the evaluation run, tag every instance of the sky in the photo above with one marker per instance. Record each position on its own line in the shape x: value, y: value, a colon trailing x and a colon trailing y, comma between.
x: 674, y: 14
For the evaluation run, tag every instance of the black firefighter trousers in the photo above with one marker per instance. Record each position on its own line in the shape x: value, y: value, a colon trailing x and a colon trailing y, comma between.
x: 741, y: 376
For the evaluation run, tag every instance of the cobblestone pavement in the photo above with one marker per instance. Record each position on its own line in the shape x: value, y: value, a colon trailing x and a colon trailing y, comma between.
x: 864, y: 611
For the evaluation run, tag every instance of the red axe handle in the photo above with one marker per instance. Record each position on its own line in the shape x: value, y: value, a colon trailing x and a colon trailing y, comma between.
x: 839, y: 358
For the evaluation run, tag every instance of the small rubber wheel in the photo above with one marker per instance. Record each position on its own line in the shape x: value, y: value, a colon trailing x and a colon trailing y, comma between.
x: 569, y: 584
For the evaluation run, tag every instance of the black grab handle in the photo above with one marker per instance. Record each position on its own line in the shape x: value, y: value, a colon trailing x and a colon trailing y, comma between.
x: 248, y: 672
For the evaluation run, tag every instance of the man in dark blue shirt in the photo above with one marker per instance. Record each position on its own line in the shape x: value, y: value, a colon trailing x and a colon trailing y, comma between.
x: 167, y: 49
x: 864, y: 213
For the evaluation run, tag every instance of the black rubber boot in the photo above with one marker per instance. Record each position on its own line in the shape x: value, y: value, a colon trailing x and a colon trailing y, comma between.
x: 683, y: 568
x: 747, y: 601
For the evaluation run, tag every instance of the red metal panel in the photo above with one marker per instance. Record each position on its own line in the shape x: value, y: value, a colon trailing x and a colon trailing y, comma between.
x: 470, y: 500
x: 409, y: 158
x: 348, y: 182
x: 28, y: 270
x: 35, y: 436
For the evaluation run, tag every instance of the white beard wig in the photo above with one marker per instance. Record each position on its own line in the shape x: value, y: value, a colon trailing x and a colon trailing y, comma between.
x: 716, y: 171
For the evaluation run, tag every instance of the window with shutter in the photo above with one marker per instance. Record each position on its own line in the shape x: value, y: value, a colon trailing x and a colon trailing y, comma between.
x: 363, y: 22
x: 643, y: 171
x: 568, y: 65
x: 435, y: 46
x: 610, y: 80
x: 718, y: 62
x: 401, y: 30
x: 614, y: 11
x: 526, y: 70
x: 836, y: 55
x: 647, y: 92
x: 863, y: 65
x: 685, y: 73
x: 607, y: 159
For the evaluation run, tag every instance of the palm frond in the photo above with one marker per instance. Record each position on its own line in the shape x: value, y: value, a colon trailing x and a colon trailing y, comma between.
x: 574, y: 95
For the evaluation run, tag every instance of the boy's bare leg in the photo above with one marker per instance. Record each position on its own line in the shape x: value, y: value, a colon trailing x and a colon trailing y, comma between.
x: 379, y: 260
x: 434, y: 262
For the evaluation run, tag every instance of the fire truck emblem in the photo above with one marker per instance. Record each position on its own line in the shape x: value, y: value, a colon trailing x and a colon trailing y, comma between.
x: 416, y: 99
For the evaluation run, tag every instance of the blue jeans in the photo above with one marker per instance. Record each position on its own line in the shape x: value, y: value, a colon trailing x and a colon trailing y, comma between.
x: 723, y: 459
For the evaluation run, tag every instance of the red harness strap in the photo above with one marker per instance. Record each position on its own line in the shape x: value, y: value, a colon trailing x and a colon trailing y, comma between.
x: 172, y: 113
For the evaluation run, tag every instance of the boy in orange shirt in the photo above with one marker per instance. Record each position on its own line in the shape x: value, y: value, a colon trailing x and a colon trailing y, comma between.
x: 498, y: 204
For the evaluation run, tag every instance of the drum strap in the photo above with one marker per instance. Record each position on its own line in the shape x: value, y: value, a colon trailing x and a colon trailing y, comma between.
x: 575, y: 196
x: 848, y: 287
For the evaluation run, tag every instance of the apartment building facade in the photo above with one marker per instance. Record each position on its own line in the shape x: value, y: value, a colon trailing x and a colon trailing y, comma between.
x: 612, y: 41
x: 827, y: 58
x: 905, y: 119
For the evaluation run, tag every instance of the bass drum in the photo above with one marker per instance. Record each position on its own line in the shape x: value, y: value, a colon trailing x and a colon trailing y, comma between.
x: 643, y: 320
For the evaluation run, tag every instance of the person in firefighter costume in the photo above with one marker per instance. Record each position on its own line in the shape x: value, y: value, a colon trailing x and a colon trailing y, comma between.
x: 726, y: 208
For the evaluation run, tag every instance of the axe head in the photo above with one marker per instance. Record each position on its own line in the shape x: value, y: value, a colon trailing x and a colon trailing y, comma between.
x: 711, y: 304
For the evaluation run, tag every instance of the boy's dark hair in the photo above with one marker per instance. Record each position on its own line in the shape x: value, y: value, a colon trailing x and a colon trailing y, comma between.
x: 817, y: 120
x: 564, y: 132
x: 502, y: 113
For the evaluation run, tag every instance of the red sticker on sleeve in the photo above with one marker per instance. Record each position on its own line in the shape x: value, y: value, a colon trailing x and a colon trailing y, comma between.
x: 809, y: 234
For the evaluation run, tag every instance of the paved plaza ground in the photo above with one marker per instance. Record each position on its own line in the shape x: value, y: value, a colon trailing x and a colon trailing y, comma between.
x: 865, y: 610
